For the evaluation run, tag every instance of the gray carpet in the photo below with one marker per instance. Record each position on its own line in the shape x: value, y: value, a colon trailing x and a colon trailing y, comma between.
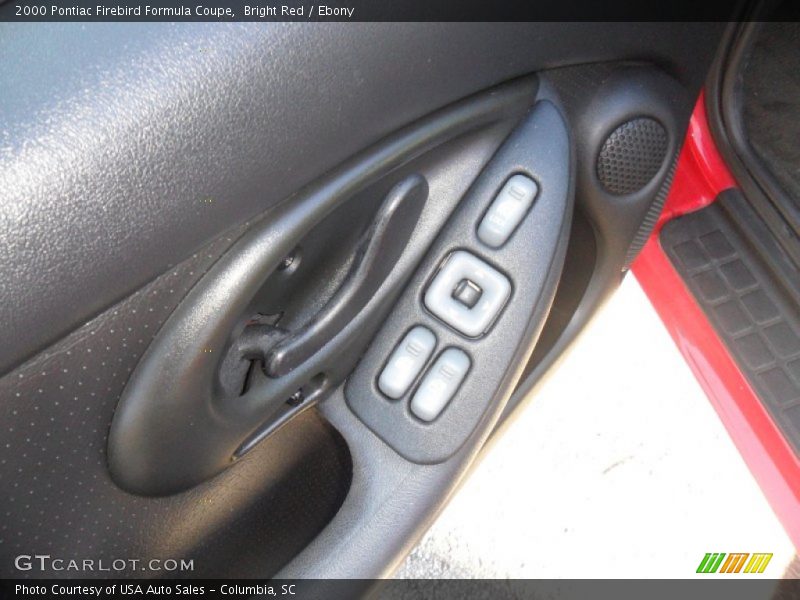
x: 771, y: 87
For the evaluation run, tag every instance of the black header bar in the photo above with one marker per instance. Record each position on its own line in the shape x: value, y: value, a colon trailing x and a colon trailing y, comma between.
x: 374, y: 10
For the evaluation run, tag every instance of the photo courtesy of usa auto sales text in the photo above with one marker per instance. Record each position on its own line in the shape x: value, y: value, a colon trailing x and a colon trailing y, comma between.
x: 152, y: 590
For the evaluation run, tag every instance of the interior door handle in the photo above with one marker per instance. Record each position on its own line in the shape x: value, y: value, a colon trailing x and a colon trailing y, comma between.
x: 217, y: 397
x: 280, y: 351
x: 379, y: 249
x: 177, y: 423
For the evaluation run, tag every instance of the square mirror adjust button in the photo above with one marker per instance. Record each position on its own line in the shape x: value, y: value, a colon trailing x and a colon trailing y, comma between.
x: 467, y: 294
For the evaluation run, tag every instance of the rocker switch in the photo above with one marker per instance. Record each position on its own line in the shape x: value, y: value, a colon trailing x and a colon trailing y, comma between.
x: 406, y: 362
x: 440, y: 384
x: 507, y: 210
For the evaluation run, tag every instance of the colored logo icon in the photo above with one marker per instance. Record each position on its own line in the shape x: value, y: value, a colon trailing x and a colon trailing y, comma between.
x: 742, y: 562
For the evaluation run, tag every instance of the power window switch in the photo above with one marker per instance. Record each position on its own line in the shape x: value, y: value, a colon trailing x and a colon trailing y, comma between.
x: 440, y: 384
x: 507, y: 210
x: 406, y: 362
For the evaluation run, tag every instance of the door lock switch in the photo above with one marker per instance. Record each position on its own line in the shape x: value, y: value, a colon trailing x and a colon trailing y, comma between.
x: 467, y: 294
x: 406, y: 362
x: 507, y: 210
x: 440, y: 384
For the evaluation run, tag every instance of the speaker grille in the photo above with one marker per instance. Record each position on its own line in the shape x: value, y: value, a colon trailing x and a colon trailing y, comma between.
x: 632, y: 155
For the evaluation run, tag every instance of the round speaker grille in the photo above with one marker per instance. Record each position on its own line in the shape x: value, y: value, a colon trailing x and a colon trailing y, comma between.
x: 632, y: 155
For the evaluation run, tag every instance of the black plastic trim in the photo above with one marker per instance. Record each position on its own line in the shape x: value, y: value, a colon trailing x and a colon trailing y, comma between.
x: 758, y: 322
x: 541, y: 149
x: 171, y: 431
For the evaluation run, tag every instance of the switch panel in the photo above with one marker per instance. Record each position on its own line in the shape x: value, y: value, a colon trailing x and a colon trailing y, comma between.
x: 467, y: 293
x: 507, y: 210
x: 482, y: 304
x: 406, y: 362
x: 440, y: 383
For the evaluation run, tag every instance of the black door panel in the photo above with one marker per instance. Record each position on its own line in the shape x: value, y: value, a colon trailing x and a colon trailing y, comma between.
x: 176, y: 425
x: 128, y: 148
x: 139, y: 162
x: 59, y: 498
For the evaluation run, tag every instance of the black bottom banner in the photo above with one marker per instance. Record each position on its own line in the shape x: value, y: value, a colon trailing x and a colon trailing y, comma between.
x: 402, y: 589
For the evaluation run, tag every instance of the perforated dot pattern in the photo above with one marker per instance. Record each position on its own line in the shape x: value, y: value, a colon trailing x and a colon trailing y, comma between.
x: 57, y: 496
x: 632, y: 155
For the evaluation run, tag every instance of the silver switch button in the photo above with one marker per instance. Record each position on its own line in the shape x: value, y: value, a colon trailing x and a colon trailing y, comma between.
x: 507, y: 210
x: 406, y: 362
x: 440, y: 383
x: 467, y: 294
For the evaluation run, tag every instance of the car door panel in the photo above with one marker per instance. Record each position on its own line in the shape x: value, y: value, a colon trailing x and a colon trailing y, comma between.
x: 137, y: 168
x: 140, y: 152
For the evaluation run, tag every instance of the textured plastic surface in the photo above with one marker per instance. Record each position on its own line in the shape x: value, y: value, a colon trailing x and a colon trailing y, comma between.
x: 596, y: 98
x: 392, y: 501
x: 700, y: 177
x: 402, y: 499
x: 651, y: 217
x: 540, y: 149
x: 377, y: 253
x: 759, y: 324
x: 71, y: 176
x: 171, y: 429
x: 56, y: 411
x: 600, y: 100
x: 223, y: 126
